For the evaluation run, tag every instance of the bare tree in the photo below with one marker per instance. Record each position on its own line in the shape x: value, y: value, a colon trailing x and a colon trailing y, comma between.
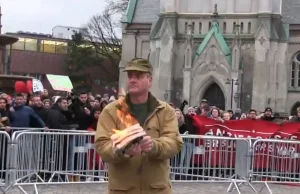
x: 101, y: 31
x: 117, y: 6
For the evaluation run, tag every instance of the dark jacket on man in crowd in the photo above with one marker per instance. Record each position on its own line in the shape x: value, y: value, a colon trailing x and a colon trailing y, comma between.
x: 24, y: 116
x: 59, y: 119
x: 79, y: 116
x: 41, y: 112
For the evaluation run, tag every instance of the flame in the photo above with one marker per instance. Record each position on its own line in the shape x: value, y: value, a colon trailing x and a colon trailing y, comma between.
x: 125, y: 117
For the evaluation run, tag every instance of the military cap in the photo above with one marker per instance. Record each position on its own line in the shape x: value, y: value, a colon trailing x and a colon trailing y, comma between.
x: 139, y: 64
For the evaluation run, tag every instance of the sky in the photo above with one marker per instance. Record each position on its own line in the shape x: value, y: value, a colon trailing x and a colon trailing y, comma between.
x: 42, y: 15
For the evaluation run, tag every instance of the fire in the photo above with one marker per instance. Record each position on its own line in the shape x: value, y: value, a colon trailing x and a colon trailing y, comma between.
x: 125, y: 117
x: 127, y: 121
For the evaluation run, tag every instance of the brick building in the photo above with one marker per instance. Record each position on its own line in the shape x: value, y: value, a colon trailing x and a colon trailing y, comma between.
x: 39, y: 54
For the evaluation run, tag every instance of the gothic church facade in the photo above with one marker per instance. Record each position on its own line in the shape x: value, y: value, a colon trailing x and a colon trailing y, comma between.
x: 235, y: 53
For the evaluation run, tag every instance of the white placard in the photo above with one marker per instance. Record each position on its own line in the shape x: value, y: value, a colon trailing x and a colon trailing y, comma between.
x: 37, y: 86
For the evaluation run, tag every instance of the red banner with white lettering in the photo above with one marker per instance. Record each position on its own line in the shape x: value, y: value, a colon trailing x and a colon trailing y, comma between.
x: 277, y: 155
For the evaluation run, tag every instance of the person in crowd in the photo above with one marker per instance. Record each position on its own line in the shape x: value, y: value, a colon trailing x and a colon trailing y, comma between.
x: 203, y: 103
x: 81, y: 111
x: 226, y: 116
x: 205, y: 111
x: 191, y: 111
x: 296, y: 119
x: 252, y: 114
x: 232, y: 116
x: 181, y: 124
x: 215, y: 114
x: 4, y: 114
x: 106, y: 96
x: 184, y: 157
x: 47, y: 103
x: 103, y: 103
x: 91, y: 100
x: 243, y: 116
x: 4, y: 124
x: 97, y: 103
x: 38, y: 108
x: 23, y: 116
x: 59, y: 117
x: 45, y: 95
x: 154, y: 151
x: 91, y: 157
x: 267, y: 115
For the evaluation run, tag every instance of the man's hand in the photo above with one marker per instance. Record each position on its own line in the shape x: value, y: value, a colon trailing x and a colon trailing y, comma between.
x: 146, y: 144
x: 122, y: 138
x: 134, y: 150
x: 87, y: 111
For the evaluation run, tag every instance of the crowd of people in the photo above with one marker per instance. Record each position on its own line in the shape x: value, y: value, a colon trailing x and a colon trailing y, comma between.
x: 40, y: 111
x: 81, y: 112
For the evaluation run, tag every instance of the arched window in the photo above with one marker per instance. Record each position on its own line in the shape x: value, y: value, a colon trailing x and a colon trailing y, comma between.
x: 295, y: 72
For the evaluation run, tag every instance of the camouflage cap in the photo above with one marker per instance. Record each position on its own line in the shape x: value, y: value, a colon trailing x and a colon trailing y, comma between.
x: 139, y: 64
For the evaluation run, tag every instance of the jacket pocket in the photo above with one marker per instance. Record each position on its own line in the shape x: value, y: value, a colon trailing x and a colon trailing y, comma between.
x: 120, y: 189
x: 160, y: 188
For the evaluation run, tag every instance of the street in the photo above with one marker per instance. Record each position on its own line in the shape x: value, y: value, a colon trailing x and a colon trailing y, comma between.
x: 178, y: 188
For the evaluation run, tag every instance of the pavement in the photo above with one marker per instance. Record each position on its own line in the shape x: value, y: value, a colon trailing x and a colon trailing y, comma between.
x: 178, y: 188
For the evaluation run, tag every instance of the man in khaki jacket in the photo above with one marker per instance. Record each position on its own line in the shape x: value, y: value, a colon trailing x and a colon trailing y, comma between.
x: 142, y: 168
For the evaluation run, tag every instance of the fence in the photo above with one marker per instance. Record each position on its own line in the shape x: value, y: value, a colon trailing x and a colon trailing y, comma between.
x: 43, y: 157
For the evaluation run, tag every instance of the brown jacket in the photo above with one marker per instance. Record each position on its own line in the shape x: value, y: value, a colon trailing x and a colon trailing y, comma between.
x: 148, y: 173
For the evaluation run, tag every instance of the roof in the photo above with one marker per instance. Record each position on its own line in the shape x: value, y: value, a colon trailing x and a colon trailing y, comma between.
x: 276, y: 29
x: 6, y: 40
x: 215, y: 31
x: 142, y: 11
x: 290, y: 11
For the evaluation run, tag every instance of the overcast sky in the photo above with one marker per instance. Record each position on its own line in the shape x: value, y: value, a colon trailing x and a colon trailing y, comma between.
x: 42, y: 15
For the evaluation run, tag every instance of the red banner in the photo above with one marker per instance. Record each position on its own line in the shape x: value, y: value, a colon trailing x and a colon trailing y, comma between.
x: 222, y: 153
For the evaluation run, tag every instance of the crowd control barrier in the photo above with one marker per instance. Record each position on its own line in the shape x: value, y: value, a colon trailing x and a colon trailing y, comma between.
x: 33, y: 157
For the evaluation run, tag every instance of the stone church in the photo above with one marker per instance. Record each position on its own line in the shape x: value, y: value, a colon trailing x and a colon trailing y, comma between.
x: 234, y: 53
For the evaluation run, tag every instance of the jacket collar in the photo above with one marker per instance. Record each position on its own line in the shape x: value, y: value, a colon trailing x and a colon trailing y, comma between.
x: 153, y: 104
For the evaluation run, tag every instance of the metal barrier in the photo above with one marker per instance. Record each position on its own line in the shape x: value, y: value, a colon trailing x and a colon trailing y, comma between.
x: 4, y: 156
x: 275, y: 161
x: 49, y: 156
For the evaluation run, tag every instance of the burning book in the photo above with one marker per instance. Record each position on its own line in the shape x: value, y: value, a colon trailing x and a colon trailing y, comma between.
x: 132, y: 134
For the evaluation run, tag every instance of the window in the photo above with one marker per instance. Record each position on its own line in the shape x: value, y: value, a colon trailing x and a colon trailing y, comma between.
x: 209, y: 25
x: 48, y: 46
x: 234, y: 27
x: 293, y: 75
x: 224, y: 28
x: 186, y: 27
x: 193, y: 27
x: 242, y: 27
x: 200, y: 28
x: 31, y: 44
x: 20, y: 45
x: 249, y: 28
x: 295, y: 72
x: 61, y: 47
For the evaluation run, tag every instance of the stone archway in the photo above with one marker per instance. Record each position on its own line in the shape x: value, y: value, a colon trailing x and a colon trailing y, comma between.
x: 215, y: 96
